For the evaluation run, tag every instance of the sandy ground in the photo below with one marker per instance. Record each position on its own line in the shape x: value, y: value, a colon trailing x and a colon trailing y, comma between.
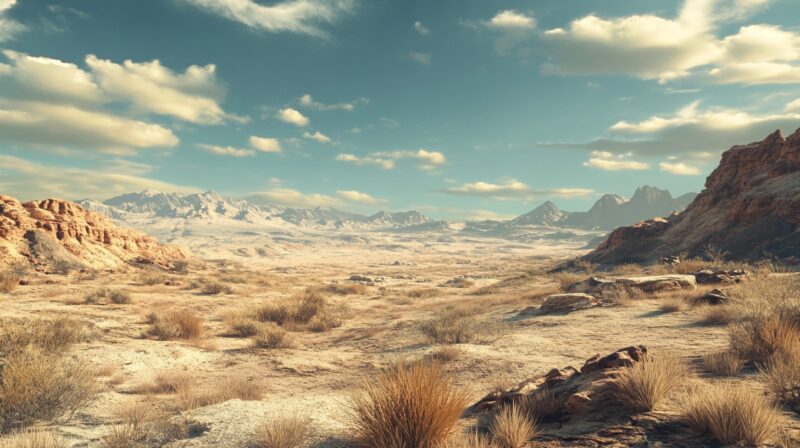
x: 382, y: 326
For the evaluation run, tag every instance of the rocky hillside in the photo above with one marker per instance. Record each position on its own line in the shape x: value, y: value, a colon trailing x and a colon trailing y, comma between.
x: 53, y: 234
x: 750, y: 208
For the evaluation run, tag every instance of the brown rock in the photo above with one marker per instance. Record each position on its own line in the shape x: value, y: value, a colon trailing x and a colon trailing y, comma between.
x: 709, y: 277
x: 713, y: 297
x: 601, y: 287
x: 750, y: 207
x: 567, y: 303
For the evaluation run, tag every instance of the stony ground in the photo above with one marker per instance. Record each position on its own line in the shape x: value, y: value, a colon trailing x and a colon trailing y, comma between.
x: 382, y: 325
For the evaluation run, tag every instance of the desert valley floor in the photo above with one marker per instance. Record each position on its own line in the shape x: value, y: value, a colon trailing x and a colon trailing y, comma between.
x: 382, y: 297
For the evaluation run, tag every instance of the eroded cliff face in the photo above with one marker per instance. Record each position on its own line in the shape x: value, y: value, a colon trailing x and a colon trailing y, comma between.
x: 750, y: 207
x: 50, y: 231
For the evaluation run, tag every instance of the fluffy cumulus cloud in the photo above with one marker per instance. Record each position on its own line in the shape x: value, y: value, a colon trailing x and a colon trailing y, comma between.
x: 421, y: 29
x: 649, y: 46
x: 513, y: 188
x: 296, y: 16
x: 608, y: 161
x: 511, y: 20
x: 8, y: 27
x: 294, y: 198
x: 227, y: 150
x: 427, y: 160
x: 27, y: 180
x: 679, y: 168
x: 265, y: 144
x: 47, y: 101
x: 309, y: 102
x: 293, y: 116
x: 318, y: 137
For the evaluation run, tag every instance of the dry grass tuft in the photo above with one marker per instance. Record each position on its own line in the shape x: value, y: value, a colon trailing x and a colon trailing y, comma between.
x: 761, y: 337
x: 512, y: 428
x: 782, y: 376
x: 272, y: 336
x: 180, y: 324
x: 211, y: 287
x: 718, y: 314
x: 168, y: 382
x: 422, y: 293
x: 225, y: 389
x: 105, y: 295
x: 541, y: 404
x: 310, y: 308
x: 340, y: 289
x: 410, y: 405
x: 725, y: 363
x: 37, y: 385
x: 149, y: 278
x: 52, y: 336
x: 673, y: 304
x: 9, y: 281
x: 459, y: 326
x: 241, y: 325
x: 643, y: 385
x: 32, y: 439
x: 732, y: 414
x: 288, y: 431
x: 446, y: 354
x: 566, y: 279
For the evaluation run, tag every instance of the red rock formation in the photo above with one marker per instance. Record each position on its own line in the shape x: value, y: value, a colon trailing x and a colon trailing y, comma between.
x: 90, y: 237
x: 750, y: 208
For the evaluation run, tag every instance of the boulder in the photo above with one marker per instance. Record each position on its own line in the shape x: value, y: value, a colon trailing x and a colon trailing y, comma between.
x: 713, y: 297
x: 601, y: 287
x: 567, y: 303
x: 709, y: 277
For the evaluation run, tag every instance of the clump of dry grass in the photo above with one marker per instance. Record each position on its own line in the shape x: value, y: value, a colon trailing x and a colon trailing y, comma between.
x: 215, y: 287
x: 643, y: 385
x: 179, y: 324
x: 241, y: 325
x: 32, y: 439
x: 725, y: 363
x: 446, y: 354
x: 149, y: 278
x: 105, y: 295
x: 37, y: 385
x: 310, y: 308
x: 341, y: 289
x: 718, y: 314
x: 9, y: 281
x: 272, y: 336
x: 565, y: 279
x: 167, y: 382
x: 287, y: 431
x: 422, y: 293
x: 732, y: 414
x: 50, y: 335
x: 225, y: 389
x: 512, y: 428
x: 460, y: 325
x: 672, y: 304
x: 782, y: 376
x: 759, y: 338
x: 410, y: 405
x: 142, y: 424
x: 541, y: 404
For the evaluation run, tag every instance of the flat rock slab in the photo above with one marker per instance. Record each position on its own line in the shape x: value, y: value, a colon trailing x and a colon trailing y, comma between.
x: 567, y: 303
x: 598, y: 287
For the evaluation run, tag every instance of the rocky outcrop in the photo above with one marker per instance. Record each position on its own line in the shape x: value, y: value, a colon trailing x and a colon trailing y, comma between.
x: 567, y: 303
x: 52, y: 231
x: 606, y: 288
x: 750, y: 208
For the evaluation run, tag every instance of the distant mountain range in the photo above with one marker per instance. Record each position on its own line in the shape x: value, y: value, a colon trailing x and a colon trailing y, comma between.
x: 151, y: 209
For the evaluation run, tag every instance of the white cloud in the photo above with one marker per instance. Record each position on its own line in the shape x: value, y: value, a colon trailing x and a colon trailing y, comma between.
x: 48, y: 79
x: 421, y: 29
x: 511, y: 20
x: 227, y: 150
x: 361, y: 161
x: 317, y: 137
x: 652, y: 47
x: 608, y: 161
x: 513, y: 188
x: 27, y: 180
x: 308, y: 101
x: 292, y: 116
x: 420, y: 58
x: 264, y: 144
x: 483, y: 215
x: 794, y: 106
x: 679, y: 168
x: 8, y: 28
x: 297, y: 16
x: 359, y: 197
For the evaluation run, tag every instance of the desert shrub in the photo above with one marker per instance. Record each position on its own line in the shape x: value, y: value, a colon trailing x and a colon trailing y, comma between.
x: 409, y: 405
x: 422, y: 293
x: 180, y: 324
x: 732, y: 414
x: 309, y: 307
x: 241, y: 325
x: 643, y: 385
x: 718, y: 314
x: 167, y: 382
x: 511, y: 428
x: 37, y: 385
x: 459, y: 326
x: 672, y: 304
x: 272, y: 336
x: 149, y: 278
x: 181, y: 266
x: 341, y: 289
x: 214, y: 287
x: 566, y: 279
x: 120, y: 297
x: 288, y: 431
x: 761, y: 337
x: 32, y: 439
x: 225, y: 389
x: 106, y: 295
x: 52, y: 336
x: 782, y: 376
x: 326, y: 320
x: 142, y: 424
x: 447, y: 353
x: 725, y: 363
x: 9, y: 281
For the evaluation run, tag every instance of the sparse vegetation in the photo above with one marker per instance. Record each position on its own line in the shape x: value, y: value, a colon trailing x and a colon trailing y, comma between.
x: 512, y: 428
x: 9, y: 281
x: 272, y: 336
x: 214, y: 287
x: 410, y: 405
x: 310, y: 308
x: 718, y: 314
x: 287, y: 431
x: 52, y: 336
x: 672, y: 304
x: 643, y: 385
x: 349, y: 289
x: 782, y: 376
x: 732, y: 414
x: 241, y: 325
x: 565, y: 279
x: 179, y: 324
x: 459, y: 326
x: 725, y: 363
x: 32, y: 439
x: 759, y: 338
x: 448, y: 353
x: 541, y: 404
x: 150, y: 278
x: 106, y: 295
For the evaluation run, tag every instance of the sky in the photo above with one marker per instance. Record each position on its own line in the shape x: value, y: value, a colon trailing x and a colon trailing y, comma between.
x: 461, y: 109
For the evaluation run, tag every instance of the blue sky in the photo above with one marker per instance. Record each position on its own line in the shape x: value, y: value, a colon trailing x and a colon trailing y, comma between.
x: 458, y: 108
